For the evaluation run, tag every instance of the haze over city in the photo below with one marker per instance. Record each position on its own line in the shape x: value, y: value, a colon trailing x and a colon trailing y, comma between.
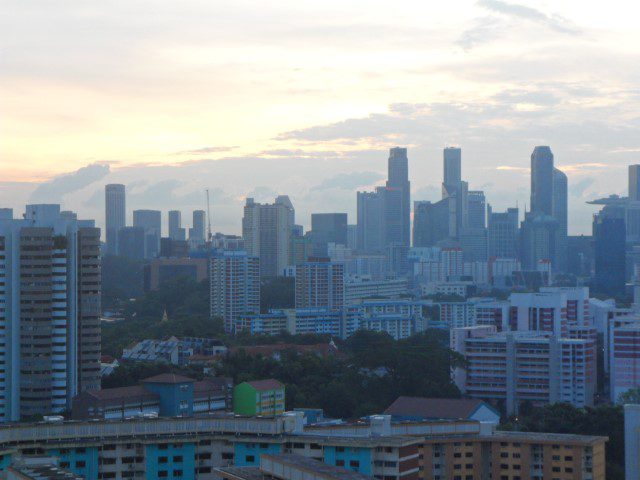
x: 304, y: 99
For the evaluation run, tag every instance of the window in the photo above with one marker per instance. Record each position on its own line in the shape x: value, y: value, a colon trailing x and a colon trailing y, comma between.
x: 177, y: 458
x: 354, y: 464
x: 177, y: 473
x: 81, y: 464
x: 250, y: 459
x: 163, y: 474
x: 163, y: 459
x: 339, y: 463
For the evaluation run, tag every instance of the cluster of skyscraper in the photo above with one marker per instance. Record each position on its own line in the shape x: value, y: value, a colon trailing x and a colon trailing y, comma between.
x: 143, y: 239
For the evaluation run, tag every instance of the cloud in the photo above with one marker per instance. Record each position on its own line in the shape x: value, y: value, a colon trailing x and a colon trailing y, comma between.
x: 515, y: 10
x: 578, y: 189
x: 206, y: 150
x: 349, y: 181
x: 54, y: 190
x: 511, y: 168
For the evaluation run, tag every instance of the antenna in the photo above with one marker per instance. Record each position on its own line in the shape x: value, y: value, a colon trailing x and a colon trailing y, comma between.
x: 209, y: 236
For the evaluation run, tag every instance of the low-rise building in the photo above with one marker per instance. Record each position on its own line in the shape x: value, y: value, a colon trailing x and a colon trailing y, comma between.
x: 173, y: 350
x: 420, y: 408
x: 259, y: 397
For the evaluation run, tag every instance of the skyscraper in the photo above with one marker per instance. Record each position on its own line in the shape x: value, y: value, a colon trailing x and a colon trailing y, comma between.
x: 50, y: 315
x: 115, y: 215
x: 370, y: 228
x: 397, y: 199
x: 131, y: 243
x: 266, y: 229
x: 234, y: 285
x: 151, y: 222
x: 560, y: 213
x: 320, y: 284
x: 542, y: 181
x: 609, y: 237
x: 327, y: 228
x: 433, y: 222
x: 176, y: 232
x: 452, y: 168
x: 477, y: 209
x: 502, y: 237
x: 197, y: 231
x: 539, y: 240
x: 634, y: 183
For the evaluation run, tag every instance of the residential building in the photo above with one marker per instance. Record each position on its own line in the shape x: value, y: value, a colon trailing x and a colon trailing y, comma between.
x: 234, y: 278
x: 266, y: 229
x: 357, y: 289
x: 632, y: 441
x: 624, y: 356
x: 320, y: 284
x: 50, y: 315
x: 151, y: 222
x: 259, y: 397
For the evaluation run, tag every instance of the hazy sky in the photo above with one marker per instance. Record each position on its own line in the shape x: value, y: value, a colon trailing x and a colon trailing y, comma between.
x: 304, y: 98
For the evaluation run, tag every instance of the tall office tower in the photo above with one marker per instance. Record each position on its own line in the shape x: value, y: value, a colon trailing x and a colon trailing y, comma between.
x: 538, y: 240
x: 609, y: 236
x: 115, y: 215
x: 433, y: 222
x: 151, y: 222
x: 397, y: 199
x: 197, y: 231
x: 320, y: 284
x: 176, y: 232
x: 234, y: 285
x: 542, y: 181
x: 634, y: 183
x: 477, y: 209
x: 370, y: 229
x: 266, y: 229
x: 327, y: 228
x: 6, y: 213
x: 352, y: 237
x: 131, y: 243
x: 50, y: 315
x: 502, y: 235
x: 452, y: 161
x: 560, y: 213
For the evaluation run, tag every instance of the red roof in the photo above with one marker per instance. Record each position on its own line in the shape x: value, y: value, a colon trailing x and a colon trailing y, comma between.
x: 434, y: 408
x: 269, y: 384
x: 120, y: 393
x: 168, y: 378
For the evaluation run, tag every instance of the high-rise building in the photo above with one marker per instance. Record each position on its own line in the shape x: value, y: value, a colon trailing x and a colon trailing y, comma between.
x: 267, y: 229
x: 502, y: 237
x: 197, y: 231
x: 397, y: 199
x: 327, y: 228
x: 477, y: 209
x: 115, y: 215
x: 452, y: 169
x: 234, y: 285
x: 560, y: 213
x: 50, y: 315
x: 151, y: 222
x: 370, y: 230
x: 352, y: 237
x: 320, y: 284
x: 131, y: 242
x: 176, y: 232
x: 609, y: 236
x: 538, y: 240
x: 433, y: 222
x: 542, y: 181
x: 634, y: 183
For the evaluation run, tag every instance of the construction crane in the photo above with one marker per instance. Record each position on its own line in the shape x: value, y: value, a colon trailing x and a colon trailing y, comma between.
x: 209, y: 235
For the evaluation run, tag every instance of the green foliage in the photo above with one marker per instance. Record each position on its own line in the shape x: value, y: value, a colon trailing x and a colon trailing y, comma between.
x: 187, y: 305
x: 604, y: 420
x: 122, y: 279
x: 370, y: 372
x: 132, y: 373
x: 631, y: 396
x: 277, y: 292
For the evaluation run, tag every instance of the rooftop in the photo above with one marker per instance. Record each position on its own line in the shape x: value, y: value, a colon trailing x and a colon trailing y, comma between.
x: 269, y: 384
x: 168, y: 378
x: 432, y: 408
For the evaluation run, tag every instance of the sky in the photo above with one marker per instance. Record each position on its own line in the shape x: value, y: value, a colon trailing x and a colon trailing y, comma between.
x: 256, y: 99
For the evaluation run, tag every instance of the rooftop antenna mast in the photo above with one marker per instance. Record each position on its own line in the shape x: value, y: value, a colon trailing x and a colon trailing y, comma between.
x: 209, y: 235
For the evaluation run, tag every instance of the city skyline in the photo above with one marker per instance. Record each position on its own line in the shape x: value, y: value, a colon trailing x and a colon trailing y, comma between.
x: 315, y: 90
